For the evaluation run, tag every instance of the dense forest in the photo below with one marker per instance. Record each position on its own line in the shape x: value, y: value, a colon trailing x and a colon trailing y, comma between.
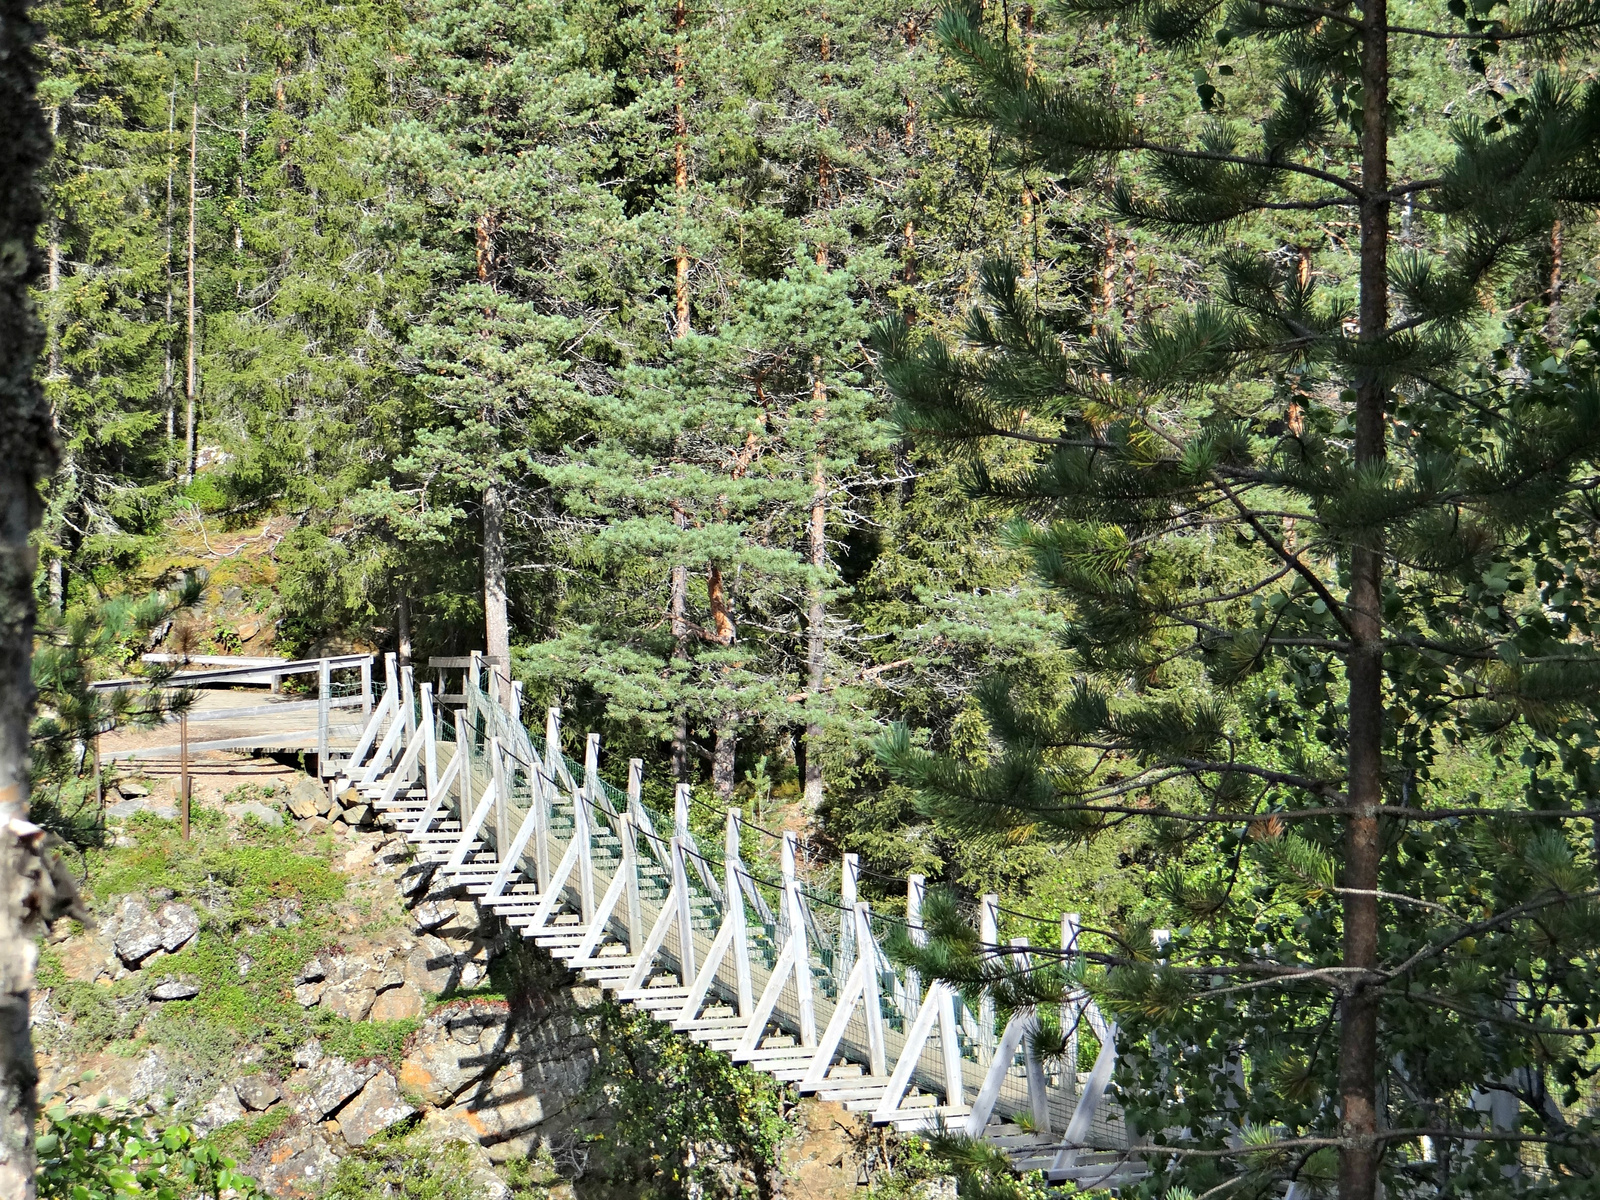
x: 1021, y: 445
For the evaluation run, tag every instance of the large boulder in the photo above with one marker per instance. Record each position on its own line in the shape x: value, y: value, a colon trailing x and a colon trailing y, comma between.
x: 378, y: 1106
x: 443, y: 1129
x: 397, y: 1004
x: 222, y: 1109
x: 292, y: 1165
x: 504, y: 1112
x: 453, y: 1048
x: 256, y: 1092
x: 306, y: 799
x: 179, y: 926
x: 135, y: 933
x: 318, y: 1091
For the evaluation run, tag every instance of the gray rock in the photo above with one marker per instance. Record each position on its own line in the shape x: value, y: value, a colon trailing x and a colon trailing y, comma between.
x: 134, y: 791
x: 222, y: 1109
x: 378, y: 1106
x: 179, y: 926
x: 256, y: 1092
x: 320, y: 1090
x: 135, y: 933
x: 442, y: 1128
x: 361, y: 814
x: 123, y: 809
x: 313, y: 972
x: 432, y: 914
x: 292, y: 1165
x: 430, y: 965
x: 941, y: 1188
x: 302, y: 807
x: 174, y: 989
x: 308, y: 995
x: 244, y: 962
x: 309, y: 1054
x: 445, y: 1057
x: 160, y: 895
x: 254, y: 809
x: 351, y: 999
x: 167, y: 812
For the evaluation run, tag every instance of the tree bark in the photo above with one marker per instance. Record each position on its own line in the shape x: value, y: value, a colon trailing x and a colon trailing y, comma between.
x: 680, y: 173
x: 496, y: 621
x: 27, y: 454
x: 403, y: 630
x: 167, y: 393
x: 816, y: 615
x: 190, y: 382
x: 1358, y: 1011
x: 677, y: 615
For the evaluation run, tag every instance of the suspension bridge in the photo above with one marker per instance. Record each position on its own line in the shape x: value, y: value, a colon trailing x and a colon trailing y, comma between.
x: 757, y: 964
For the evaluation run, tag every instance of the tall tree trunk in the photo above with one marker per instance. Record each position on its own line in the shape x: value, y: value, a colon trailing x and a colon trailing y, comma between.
x: 168, y: 393
x: 678, y: 600
x: 191, y: 389
x: 244, y: 150
x: 1358, y: 1016
x: 723, y: 633
x: 680, y: 172
x: 403, y: 624
x: 57, y: 575
x: 677, y: 615
x: 27, y: 454
x: 816, y: 614
x: 496, y: 622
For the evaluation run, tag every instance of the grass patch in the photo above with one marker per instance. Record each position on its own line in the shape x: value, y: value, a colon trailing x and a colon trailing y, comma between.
x: 259, y: 1128
x: 365, y: 1039
x: 405, y: 1167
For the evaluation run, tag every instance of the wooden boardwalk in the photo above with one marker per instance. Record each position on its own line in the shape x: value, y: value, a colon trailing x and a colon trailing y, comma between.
x: 741, y: 956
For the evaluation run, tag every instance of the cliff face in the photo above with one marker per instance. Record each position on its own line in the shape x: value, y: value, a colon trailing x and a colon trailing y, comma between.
x: 292, y: 983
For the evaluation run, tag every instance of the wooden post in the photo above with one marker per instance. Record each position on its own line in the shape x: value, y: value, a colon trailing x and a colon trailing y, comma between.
x: 733, y: 897
x: 502, y: 810
x: 848, y: 875
x: 366, y: 687
x: 630, y: 855
x: 680, y: 881
x: 582, y: 829
x: 323, y: 685
x: 592, y: 787
x: 797, y: 929
x: 877, y: 1052
x: 989, y: 937
x: 183, y: 773
x: 916, y: 892
x: 430, y: 748
x: 1038, y: 1089
x: 1071, y: 1011
x: 407, y: 713
x: 542, y: 787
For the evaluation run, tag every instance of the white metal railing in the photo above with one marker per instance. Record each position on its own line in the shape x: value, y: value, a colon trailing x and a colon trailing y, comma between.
x: 754, y: 962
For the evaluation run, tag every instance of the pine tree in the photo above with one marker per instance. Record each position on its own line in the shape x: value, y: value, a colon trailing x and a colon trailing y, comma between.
x: 1315, y: 534
x: 708, y: 461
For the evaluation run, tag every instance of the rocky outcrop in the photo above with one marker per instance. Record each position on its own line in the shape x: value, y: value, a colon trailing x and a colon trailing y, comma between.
x: 138, y: 935
x: 375, y: 1108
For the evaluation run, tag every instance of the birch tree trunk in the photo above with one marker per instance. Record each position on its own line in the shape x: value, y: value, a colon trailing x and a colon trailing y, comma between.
x: 27, y: 454
x: 190, y: 380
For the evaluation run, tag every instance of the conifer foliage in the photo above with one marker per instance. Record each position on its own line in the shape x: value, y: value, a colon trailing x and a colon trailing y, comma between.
x: 1318, y: 536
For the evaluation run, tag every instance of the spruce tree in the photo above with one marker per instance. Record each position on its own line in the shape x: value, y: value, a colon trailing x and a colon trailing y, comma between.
x: 1322, y: 535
